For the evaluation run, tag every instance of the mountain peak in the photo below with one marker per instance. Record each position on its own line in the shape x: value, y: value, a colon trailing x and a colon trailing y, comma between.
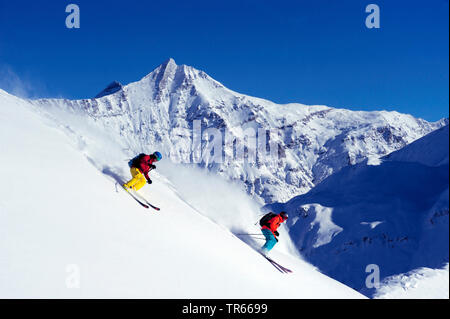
x: 168, y: 77
x: 168, y: 66
x: 169, y: 61
x: 112, y: 88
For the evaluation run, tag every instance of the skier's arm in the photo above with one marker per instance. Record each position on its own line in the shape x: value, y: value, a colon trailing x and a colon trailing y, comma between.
x: 147, y: 178
x: 274, y: 224
x: 151, y: 166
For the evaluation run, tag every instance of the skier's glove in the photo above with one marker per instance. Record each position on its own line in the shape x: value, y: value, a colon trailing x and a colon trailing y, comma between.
x: 276, y: 233
x: 149, y: 181
x: 152, y: 166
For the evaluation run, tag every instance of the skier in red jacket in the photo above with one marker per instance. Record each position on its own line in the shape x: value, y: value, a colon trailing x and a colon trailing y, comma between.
x: 270, y: 232
x: 140, y: 166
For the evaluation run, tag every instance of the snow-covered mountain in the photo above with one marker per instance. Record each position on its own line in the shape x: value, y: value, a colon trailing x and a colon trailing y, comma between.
x: 431, y: 150
x: 160, y: 111
x: 67, y: 231
x: 393, y: 215
x: 359, y: 205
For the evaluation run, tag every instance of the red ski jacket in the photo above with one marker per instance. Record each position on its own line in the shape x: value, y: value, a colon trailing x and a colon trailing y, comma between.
x: 274, y: 223
x: 144, y: 165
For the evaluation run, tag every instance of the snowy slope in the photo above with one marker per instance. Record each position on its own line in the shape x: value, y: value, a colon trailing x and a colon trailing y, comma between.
x: 422, y: 283
x: 64, y: 224
x: 423, y: 151
x: 313, y: 141
x: 393, y: 215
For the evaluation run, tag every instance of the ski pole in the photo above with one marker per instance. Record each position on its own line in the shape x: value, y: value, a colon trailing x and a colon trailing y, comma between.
x: 249, y: 234
x: 259, y: 218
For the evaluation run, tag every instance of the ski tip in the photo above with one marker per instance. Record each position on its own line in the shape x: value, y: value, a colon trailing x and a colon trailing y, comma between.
x: 154, y: 207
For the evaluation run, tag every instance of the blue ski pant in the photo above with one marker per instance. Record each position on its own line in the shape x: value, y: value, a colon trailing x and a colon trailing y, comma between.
x: 270, y: 239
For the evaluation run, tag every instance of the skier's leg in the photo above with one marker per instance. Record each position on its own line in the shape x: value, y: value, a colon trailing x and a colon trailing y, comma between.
x: 135, y: 173
x: 140, y: 183
x: 132, y: 181
x: 270, y: 241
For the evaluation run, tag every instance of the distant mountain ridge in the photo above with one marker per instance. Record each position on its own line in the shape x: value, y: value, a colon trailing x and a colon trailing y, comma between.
x: 314, y: 141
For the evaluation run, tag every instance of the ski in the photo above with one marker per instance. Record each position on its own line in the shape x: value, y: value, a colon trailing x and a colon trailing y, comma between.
x: 136, y: 199
x: 287, y: 270
x: 154, y: 207
x: 146, y: 201
x: 277, y: 265
x: 141, y: 200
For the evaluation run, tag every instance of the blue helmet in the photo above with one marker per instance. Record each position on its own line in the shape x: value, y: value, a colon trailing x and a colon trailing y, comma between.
x: 157, y: 155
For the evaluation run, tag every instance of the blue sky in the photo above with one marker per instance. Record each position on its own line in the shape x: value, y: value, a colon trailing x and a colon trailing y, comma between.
x: 311, y: 52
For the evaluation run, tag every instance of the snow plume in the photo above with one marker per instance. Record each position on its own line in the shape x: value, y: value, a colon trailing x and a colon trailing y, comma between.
x: 11, y: 82
x: 224, y: 202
